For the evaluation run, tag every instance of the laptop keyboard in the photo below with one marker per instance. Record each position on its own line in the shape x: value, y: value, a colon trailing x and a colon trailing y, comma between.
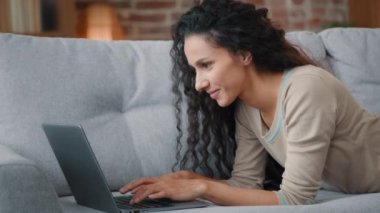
x: 123, y: 203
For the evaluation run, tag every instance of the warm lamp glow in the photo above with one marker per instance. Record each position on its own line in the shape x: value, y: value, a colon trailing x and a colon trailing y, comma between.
x: 102, y: 22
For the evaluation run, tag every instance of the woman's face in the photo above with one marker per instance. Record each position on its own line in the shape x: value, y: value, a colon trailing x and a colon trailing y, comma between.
x: 221, y: 74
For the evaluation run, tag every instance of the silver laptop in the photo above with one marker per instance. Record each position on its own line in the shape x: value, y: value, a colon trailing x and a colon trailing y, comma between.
x: 86, y: 179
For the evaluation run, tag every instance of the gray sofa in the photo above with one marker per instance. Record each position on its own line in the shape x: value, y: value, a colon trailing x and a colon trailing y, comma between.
x: 121, y: 94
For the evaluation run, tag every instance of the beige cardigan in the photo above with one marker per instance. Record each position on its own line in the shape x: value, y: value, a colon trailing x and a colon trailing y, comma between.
x: 319, y: 134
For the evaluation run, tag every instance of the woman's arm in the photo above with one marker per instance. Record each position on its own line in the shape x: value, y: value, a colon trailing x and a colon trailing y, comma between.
x: 310, y: 107
x: 223, y: 194
x: 248, y: 172
x: 214, y: 191
x: 183, y: 174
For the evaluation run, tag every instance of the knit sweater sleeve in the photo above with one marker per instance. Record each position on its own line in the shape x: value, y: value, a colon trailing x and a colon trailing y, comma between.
x: 250, y: 159
x: 309, y: 109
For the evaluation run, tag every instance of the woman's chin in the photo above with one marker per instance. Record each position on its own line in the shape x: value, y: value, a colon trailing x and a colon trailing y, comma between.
x: 223, y: 103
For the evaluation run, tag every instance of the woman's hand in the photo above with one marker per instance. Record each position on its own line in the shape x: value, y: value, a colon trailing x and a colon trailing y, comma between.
x: 184, y: 186
x: 134, y: 185
x: 172, y: 188
x: 181, y: 186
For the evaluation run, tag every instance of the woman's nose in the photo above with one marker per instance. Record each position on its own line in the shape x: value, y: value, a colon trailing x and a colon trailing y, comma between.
x: 201, y: 83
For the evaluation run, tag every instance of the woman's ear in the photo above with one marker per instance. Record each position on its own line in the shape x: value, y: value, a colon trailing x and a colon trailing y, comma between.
x: 246, y: 58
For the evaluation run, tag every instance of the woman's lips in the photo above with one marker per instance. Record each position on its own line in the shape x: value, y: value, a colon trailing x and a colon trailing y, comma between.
x: 214, y: 94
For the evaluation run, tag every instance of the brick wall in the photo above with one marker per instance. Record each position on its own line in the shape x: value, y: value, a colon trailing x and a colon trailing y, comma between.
x: 152, y: 19
x: 309, y: 14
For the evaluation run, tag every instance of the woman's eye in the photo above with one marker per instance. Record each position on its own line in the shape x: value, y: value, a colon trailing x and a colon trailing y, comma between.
x: 205, y: 65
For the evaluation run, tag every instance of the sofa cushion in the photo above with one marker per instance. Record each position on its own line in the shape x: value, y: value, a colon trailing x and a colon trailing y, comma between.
x: 353, y: 55
x: 24, y: 187
x: 119, y: 91
x: 311, y: 44
x: 326, y: 201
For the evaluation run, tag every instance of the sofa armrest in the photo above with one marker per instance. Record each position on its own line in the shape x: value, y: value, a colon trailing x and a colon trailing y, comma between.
x: 24, y: 187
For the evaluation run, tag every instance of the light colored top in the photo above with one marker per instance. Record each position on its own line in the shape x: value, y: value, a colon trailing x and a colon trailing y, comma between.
x: 319, y: 134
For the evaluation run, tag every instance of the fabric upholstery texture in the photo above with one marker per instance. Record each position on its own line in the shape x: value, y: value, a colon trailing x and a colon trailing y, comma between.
x: 23, y: 184
x: 311, y: 44
x: 109, y: 88
x: 327, y: 201
x: 354, y: 58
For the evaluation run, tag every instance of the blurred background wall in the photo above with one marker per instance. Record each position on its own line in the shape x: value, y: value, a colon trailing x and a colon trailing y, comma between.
x: 152, y: 19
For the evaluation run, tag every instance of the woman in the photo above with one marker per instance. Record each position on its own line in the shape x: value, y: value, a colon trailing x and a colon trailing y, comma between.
x: 241, y: 77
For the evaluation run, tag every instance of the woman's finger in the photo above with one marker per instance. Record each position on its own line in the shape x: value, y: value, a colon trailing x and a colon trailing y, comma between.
x: 134, y: 184
x: 134, y: 190
x: 158, y: 195
x: 143, y: 193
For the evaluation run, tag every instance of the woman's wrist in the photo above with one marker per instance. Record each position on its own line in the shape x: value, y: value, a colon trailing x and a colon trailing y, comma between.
x: 203, y: 186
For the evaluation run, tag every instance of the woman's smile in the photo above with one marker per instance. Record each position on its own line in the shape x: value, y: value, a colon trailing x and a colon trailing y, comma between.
x: 214, y: 94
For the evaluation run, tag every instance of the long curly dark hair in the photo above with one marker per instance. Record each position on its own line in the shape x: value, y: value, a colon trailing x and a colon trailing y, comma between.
x: 238, y: 27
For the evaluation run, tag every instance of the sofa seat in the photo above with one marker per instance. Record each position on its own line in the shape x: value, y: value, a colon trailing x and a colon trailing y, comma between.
x: 326, y: 201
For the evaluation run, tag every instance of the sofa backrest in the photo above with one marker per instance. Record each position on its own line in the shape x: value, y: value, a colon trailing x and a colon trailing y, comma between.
x: 119, y: 91
x: 354, y: 57
x: 310, y: 44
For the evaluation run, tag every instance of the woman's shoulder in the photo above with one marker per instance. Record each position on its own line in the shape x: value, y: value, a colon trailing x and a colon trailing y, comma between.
x: 312, y: 86
x: 312, y: 77
x: 310, y: 71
